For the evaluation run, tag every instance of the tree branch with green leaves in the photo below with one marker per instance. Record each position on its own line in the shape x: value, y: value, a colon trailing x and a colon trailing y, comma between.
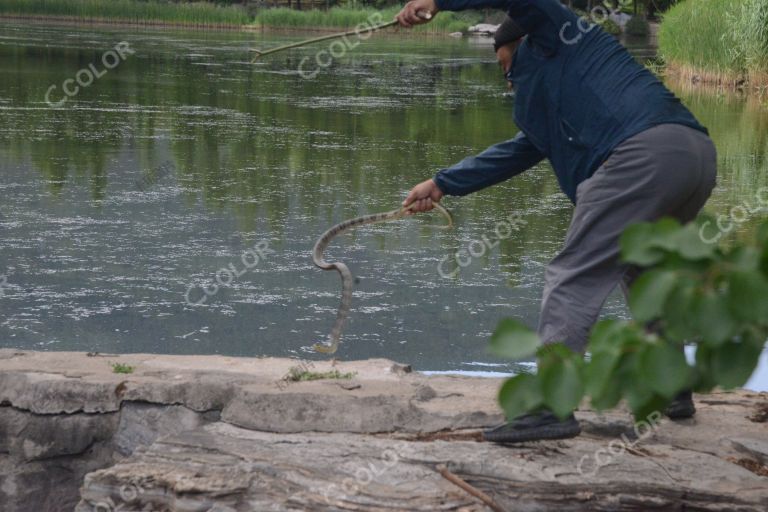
x: 690, y: 291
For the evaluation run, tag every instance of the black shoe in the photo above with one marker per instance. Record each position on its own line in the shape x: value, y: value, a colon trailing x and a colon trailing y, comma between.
x: 533, y: 427
x: 681, y: 407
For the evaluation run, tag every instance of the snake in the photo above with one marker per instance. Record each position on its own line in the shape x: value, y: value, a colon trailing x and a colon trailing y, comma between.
x: 343, y: 270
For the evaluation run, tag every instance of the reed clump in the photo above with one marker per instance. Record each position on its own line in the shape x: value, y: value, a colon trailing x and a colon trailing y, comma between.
x: 717, y: 41
x: 130, y: 11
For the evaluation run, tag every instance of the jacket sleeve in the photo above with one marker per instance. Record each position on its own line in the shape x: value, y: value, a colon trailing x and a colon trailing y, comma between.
x: 523, y: 12
x: 494, y: 165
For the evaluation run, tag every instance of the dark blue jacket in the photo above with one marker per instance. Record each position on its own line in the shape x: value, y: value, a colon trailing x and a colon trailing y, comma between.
x: 578, y: 94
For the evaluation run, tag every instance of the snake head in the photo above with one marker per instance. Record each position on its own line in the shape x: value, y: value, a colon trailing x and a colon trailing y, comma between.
x: 258, y: 54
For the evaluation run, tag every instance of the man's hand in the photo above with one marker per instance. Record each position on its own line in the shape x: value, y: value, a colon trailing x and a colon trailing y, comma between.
x: 421, y: 197
x: 417, y: 12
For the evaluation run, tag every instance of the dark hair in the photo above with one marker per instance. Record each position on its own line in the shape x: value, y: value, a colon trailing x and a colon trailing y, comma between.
x: 507, y: 32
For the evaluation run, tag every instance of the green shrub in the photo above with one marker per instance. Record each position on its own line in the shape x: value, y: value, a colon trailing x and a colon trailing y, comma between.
x: 694, y: 291
x: 637, y: 26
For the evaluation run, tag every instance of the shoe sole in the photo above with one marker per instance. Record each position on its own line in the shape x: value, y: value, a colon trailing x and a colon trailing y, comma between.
x: 680, y: 411
x: 538, y: 434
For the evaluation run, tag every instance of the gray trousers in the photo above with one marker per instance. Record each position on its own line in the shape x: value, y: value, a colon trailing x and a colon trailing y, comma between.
x: 667, y: 170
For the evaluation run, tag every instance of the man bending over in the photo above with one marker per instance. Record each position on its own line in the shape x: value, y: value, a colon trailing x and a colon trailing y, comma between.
x: 623, y: 148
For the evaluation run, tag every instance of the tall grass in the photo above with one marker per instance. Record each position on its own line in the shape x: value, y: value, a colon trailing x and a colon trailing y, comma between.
x: 197, y: 13
x: 719, y: 40
x: 343, y: 18
x: 753, y: 38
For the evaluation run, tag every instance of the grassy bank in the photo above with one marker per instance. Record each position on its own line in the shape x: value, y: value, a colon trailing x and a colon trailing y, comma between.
x: 718, y: 41
x: 207, y: 14
x: 128, y: 11
x: 345, y: 18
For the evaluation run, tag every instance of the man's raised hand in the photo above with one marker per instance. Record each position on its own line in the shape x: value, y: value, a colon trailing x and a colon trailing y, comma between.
x: 421, y: 197
x: 417, y: 12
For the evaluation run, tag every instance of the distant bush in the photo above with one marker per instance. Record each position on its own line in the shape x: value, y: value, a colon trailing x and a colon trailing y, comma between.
x: 610, y: 26
x: 637, y: 26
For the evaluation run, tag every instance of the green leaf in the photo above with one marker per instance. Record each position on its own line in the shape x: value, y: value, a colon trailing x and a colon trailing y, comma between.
x: 704, y: 381
x: 610, y: 396
x: 748, y: 296
x: 732, y: 363
x: 764, y: 260
x: 743, y: 258
x: 605, y: 337
x: 641, y: 398
x: 666, y: 233
x: 678, y: 322
x: 762, y: 233
x: 599, y: 371
x: 664, y: 369
x: 637, y: 396
x: 649, y: 293
x: 649, y: 408
x: 637, y: 245
x: 713, y: 319
x: 513, y: 340
x: 688, y: 243
x: 519, y: 395
x: 762, y: 241
x: 562, y: 387
x: 553, y: 354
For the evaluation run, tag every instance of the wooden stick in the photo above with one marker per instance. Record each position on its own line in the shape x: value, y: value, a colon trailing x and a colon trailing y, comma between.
x: 474, y: 491
x: 422, y: 14
x: 259, y: 53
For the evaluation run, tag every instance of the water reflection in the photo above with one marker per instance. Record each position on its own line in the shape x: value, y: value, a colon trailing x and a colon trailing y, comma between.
x: 96, y: 262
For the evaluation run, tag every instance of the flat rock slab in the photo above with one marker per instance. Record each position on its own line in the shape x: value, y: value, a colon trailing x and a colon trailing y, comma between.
x: 211, y: 433
x: 235, y: 469
x: 382, y: 396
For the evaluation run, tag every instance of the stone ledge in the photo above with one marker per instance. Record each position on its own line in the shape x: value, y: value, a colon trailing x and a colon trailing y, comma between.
x: 212, y: 433
x: 250, y: 392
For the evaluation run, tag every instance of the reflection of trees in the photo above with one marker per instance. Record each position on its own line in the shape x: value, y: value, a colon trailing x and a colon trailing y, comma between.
x: 739, y: 126
x: 259, y: 147
x: 268, y: 145
x: 738, y: 123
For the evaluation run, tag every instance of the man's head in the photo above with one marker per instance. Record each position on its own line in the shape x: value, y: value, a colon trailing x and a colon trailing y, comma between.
x: 505, y: 43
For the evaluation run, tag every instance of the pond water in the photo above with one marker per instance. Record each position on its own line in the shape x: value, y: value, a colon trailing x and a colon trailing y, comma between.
x: 119, y: 204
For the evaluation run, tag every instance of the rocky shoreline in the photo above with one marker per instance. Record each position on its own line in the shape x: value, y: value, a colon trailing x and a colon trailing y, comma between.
x: 213, y: 433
